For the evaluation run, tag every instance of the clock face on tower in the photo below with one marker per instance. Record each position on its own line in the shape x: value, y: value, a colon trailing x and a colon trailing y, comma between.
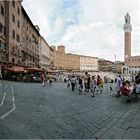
x: 126, y: 56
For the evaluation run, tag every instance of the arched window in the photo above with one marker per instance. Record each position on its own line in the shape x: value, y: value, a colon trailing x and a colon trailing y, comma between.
x: 18, y: 61
x: 126, y: 20
x: 124, y: 70
x: 13, y: 60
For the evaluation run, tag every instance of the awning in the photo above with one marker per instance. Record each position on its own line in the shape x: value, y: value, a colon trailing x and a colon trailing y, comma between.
x: 16, y: 69
x: 34, y: 70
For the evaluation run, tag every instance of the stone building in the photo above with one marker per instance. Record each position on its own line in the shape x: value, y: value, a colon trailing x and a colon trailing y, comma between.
x: 30, y: 41
x: 72, y: 62
x: 88, y: 63
x: 105, y: 65
x: 19, y: 38
x: 13, y: 20
x: 44, y: 54
x: 66, y: 61
x: 132, y: 63
x: 52, y: 56
x: 117, y: 67
x: 3, y: 45
x: 59, y: 57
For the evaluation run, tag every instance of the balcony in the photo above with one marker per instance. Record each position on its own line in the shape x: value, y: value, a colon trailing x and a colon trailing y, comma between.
x: 2, y: 36
x: 3, y: 50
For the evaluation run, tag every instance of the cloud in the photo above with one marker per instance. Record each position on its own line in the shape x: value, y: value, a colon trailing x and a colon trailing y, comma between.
x: 88, y: 27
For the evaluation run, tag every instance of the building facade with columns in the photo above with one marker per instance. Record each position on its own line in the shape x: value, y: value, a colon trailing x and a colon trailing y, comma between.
x: 132, y: 63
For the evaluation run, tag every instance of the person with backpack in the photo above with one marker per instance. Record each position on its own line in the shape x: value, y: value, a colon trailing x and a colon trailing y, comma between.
x: 99, y: 84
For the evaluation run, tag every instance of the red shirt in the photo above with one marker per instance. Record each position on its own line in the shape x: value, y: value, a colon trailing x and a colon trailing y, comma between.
x: 124, y: 90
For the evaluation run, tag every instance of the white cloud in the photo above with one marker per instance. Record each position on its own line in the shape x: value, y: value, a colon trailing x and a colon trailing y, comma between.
x: 90, y: 27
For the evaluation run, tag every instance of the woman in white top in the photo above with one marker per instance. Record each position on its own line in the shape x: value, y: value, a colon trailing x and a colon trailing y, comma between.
x: 93, y: 85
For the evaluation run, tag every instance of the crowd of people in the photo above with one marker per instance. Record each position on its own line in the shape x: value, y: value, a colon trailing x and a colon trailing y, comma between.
x: 130, y: 89
x: 85, y: 84
x: 94, y: 84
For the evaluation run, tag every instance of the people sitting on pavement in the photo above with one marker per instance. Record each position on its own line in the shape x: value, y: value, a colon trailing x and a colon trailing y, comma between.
x: 125, y: 90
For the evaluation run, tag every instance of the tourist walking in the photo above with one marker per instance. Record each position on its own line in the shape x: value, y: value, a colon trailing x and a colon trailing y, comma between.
x: 43, y: 79
x: 86, y: 82
x: 73, y: 82
x: 80, y: 85
x: 93, y: 85
x: 99, y: 84
x: 118, y: 85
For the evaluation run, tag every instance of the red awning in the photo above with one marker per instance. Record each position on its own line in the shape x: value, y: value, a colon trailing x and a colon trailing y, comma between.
x: 34, y: 69
x: 16, y: 69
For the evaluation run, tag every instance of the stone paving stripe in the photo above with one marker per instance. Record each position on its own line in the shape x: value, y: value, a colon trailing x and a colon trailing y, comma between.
x: 3, y: 99
x: 14, y: 106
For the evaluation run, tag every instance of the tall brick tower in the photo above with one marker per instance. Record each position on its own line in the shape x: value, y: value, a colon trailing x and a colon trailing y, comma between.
x: 127, y: 38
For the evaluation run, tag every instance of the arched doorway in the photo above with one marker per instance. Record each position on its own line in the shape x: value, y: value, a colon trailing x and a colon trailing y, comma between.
x: 124, y: 70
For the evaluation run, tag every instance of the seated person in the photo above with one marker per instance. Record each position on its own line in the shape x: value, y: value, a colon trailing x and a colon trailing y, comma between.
x: 124, y: 89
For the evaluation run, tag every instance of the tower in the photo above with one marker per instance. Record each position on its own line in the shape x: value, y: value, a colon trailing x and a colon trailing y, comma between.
x: 127, y: 38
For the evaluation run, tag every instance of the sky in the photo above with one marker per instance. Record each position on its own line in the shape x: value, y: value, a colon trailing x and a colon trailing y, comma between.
x: 87, y: 27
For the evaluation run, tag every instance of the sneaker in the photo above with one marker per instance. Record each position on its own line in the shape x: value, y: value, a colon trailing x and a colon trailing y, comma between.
x: 92, y: 96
